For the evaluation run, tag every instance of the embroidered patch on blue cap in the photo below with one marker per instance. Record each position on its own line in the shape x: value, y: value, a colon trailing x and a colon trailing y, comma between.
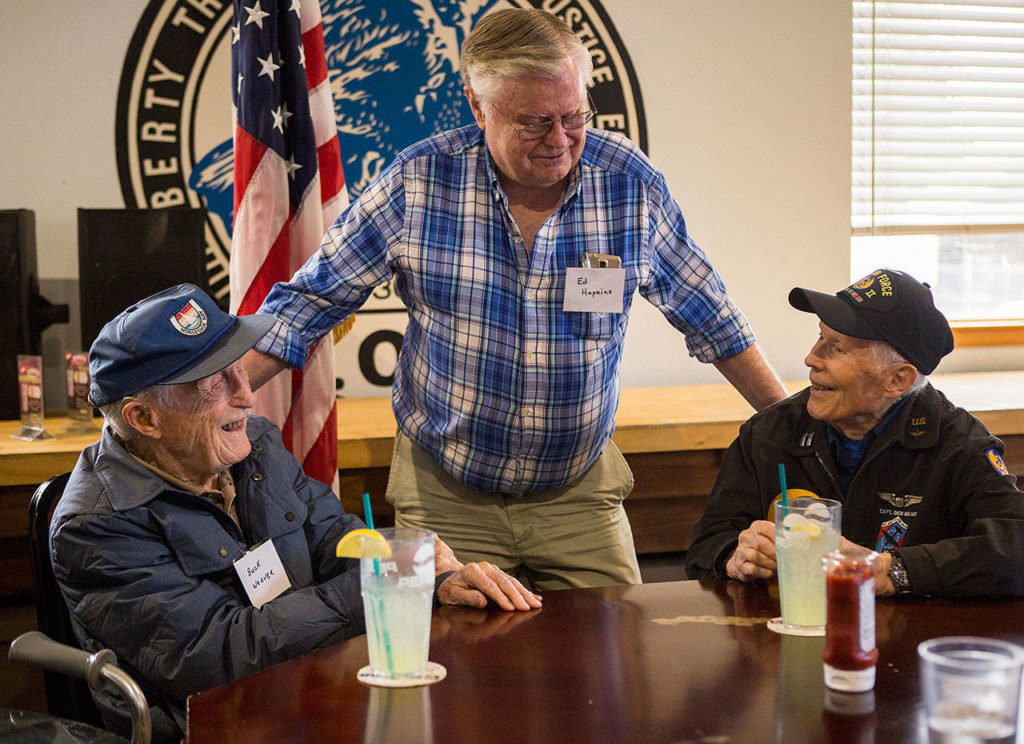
x: 190, y: 320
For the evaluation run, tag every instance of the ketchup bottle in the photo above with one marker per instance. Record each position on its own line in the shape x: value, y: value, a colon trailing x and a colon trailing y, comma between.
x: 850, y: 655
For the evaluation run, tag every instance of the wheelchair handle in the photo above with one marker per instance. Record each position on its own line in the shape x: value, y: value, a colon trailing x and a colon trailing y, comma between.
x: 98, y: 669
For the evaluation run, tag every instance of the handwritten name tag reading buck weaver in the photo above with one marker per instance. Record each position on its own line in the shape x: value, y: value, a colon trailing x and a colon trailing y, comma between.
x: 262, y: 574
x: 595, y: 287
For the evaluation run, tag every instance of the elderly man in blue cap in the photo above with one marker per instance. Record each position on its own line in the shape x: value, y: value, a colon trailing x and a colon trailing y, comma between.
x: 182, y: 489
x: 921, y: 481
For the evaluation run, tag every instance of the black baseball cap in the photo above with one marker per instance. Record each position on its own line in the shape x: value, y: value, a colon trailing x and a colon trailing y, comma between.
x: 886, y: 305
x: 177, y: 335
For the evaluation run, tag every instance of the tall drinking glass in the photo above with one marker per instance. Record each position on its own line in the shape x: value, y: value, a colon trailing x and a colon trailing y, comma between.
x: 971, y: 689
x: 397, y: 587
x: 805, y: 529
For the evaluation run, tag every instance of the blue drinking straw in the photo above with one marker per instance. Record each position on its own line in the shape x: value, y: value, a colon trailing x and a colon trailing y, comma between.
x: 368, y: 516
x: 782, y: 485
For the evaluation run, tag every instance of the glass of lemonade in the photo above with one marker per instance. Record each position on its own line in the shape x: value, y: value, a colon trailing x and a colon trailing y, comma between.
x: 397, y: 599
x: 805, y: 530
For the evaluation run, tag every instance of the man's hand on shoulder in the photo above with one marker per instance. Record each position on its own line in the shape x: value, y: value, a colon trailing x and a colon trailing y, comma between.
x: 754, y: 556
x: 474, y: 583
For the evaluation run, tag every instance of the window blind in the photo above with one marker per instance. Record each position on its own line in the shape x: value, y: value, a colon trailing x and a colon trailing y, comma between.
x: 938, y: 115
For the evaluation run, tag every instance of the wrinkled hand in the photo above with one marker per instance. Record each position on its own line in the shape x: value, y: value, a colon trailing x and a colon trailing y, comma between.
x: 754, y: 556
x: 880, y: 568
x: 475, y: 583
x: 444, y: 557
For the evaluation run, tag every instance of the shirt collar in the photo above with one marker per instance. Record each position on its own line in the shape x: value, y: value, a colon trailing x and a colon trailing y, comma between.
x: 853, y: 450
x: 572, y: 187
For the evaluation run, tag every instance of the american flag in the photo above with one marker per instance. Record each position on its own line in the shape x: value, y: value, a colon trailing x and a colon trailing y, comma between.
x: 289, y: 186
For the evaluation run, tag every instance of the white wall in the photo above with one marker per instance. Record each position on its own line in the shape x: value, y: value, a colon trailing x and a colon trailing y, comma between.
x: 748, y: 113
x: 61, y: 64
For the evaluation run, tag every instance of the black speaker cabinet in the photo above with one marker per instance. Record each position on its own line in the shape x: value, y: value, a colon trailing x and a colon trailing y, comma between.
x: 25, y: 313
x: 125, y: 255
x: 17, y: 276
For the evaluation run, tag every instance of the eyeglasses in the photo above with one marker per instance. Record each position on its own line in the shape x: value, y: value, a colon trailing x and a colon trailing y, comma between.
x: 529, y: 132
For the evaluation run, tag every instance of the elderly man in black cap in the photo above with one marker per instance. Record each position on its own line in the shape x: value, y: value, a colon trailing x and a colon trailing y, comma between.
x: 921, y: 481
x: 164, y: 514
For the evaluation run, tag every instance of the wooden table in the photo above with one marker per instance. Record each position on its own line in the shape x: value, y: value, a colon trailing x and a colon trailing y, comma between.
x: 658, y: 664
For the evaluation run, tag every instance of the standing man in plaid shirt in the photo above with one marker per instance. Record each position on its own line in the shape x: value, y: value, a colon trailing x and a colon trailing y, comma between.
x: 517, y: 244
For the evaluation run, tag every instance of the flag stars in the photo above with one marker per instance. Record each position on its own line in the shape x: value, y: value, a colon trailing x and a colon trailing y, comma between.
x: 236, y: 33
x: 281, y: 116
x: 256, y: 15
x: 295, y: 8
x: 267, y: 66
x: 240, y: 79
x: 302, y: 56
x: 292, y: 167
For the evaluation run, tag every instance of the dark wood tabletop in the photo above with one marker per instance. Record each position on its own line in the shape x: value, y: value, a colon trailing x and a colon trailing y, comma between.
x: 672, y: 663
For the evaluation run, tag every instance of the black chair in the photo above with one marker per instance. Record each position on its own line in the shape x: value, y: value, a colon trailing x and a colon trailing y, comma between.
x: 66, y: 697
x: 68, y: 671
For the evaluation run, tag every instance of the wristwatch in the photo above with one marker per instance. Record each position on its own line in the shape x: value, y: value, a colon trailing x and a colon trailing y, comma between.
x: 898, y: 574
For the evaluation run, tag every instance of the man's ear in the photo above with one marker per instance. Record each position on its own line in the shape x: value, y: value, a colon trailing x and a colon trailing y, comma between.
x: 476, y: 106
x: 141, y: 418
x: 901, y: 377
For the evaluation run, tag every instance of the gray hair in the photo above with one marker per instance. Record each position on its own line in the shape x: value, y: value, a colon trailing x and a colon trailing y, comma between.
x: 112, y: 412
x: 886, y: 355
x: 517, y: 42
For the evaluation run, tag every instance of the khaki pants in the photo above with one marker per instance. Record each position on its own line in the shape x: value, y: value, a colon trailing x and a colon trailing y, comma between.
x: 574, y: 536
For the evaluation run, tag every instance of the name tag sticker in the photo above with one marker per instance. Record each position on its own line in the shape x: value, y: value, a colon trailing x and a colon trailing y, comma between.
x: 262, y: 574
x: 593, y: 290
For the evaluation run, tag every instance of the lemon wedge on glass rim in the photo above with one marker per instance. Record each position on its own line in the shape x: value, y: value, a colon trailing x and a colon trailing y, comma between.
x: 363, y: 543
x: 813, y: 529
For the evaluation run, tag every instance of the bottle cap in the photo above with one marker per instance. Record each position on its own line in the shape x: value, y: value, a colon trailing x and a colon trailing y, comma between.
x: 849, y: 680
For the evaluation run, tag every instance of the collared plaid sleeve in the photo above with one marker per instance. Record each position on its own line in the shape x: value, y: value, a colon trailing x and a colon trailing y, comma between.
x: 685, y: 286
x: 336, y: 281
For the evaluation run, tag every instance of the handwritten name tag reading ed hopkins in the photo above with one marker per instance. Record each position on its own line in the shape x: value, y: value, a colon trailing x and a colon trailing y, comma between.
x: 593, y: 290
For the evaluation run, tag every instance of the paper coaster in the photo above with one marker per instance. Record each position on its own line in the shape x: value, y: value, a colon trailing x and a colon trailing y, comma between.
x: 432, y: 673
x: 776, y: 625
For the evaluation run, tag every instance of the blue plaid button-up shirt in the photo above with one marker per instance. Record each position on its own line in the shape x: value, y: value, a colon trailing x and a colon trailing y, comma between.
x: 505, y: 390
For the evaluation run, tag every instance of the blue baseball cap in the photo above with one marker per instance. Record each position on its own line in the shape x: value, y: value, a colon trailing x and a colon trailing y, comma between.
x: 177, y: 335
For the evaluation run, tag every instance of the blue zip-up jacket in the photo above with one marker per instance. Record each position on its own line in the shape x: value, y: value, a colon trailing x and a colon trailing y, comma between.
x: 148, y: 571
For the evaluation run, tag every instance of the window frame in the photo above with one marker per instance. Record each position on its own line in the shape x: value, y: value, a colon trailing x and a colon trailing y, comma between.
x: 967, y: 333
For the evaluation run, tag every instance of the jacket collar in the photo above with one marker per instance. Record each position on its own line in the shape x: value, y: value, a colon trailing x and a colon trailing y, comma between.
x: 919, y: 423
x: 128, y: 483
x: 915, y: 427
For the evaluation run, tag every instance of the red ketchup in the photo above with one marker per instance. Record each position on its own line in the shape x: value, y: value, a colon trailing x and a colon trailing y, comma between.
x: 850, y: 654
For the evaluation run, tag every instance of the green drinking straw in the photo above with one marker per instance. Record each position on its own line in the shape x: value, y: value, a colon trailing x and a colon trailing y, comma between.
x: 368, y: 516
x: 782, y: 485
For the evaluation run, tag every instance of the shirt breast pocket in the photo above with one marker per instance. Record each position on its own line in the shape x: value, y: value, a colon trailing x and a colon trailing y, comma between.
x: 593, y: 326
